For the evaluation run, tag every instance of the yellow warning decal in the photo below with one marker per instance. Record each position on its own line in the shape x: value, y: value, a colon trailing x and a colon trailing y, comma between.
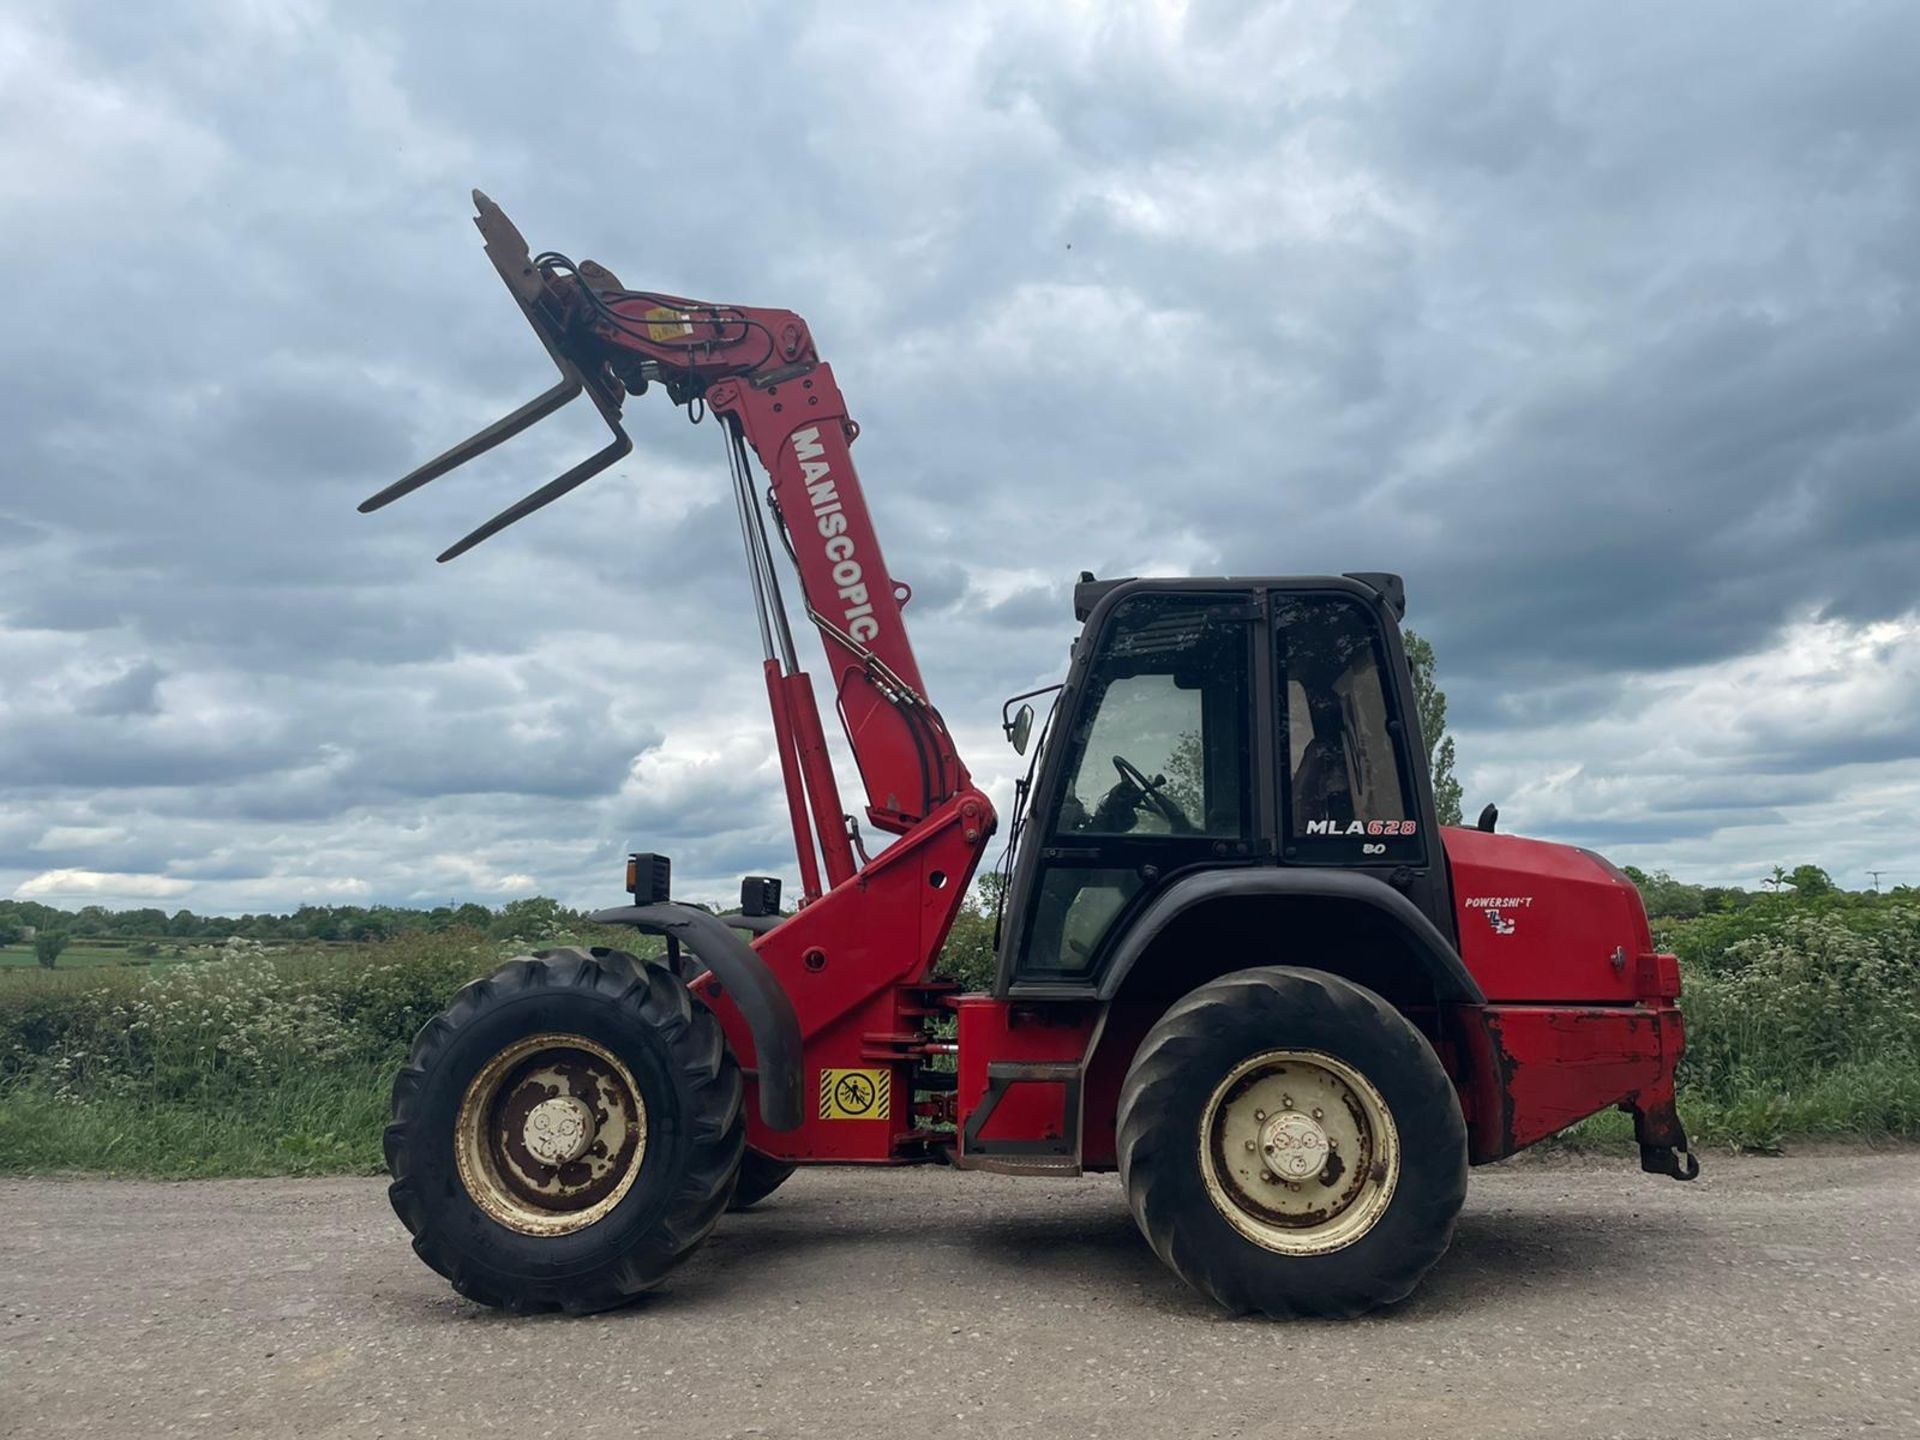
x: 665, y: 324
x: 855, y: 1094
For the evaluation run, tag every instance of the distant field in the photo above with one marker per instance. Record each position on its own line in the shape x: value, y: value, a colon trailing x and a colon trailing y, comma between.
x: 78, y: 956
x: 91, y: 954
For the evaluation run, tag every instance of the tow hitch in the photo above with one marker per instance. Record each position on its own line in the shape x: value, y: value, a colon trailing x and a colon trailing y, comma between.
x: 1669, y: 1160
x: 1663, y: 1140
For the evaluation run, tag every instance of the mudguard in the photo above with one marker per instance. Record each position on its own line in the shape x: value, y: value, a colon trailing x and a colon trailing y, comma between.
x: 763, y: 1003
x: 1452, y: 982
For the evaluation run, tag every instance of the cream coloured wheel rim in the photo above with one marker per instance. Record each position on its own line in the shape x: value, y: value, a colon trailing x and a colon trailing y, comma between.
x: 551, y: 1134
x: 1299, y: 1152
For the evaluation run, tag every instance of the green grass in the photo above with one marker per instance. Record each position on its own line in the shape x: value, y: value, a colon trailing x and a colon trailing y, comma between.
x: 1865, y: 1100
x: 273, y: 1062
x: 78, y: 956
x: 327, y: 1123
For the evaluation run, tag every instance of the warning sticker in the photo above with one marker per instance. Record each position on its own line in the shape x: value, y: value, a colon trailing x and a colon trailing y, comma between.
x: 665, y: 324
x: 855, y: 1094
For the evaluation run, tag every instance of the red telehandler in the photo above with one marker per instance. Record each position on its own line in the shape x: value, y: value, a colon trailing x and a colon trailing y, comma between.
x: 1239, y: 960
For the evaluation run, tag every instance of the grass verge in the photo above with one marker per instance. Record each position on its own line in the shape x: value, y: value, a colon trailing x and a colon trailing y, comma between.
x: 322, y: 1124
x: 1865, y: 1100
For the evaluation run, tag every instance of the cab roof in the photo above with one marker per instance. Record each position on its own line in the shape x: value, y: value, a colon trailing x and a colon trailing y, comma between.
x: 1089, y: 592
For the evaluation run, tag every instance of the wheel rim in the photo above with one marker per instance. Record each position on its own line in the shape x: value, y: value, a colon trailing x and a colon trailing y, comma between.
x: 551, y: 1134
x: 1299, y: 1151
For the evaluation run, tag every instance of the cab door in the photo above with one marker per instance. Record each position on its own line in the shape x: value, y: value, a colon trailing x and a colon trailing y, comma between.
x: 1157, y: 777
x: 1354, y: 791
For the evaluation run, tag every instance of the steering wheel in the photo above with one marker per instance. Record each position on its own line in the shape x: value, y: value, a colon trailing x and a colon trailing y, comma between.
x: 1150, y: 791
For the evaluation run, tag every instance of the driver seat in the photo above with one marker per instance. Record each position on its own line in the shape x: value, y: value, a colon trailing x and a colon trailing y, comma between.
x: 1321, y: 789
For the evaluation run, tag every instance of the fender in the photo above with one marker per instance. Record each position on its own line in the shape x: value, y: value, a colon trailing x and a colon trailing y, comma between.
x: 1442, y: 963
x: 749, y: 984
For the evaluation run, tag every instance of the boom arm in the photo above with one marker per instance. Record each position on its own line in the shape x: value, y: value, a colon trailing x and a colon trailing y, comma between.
x: 757, y: 370
x: 799, y: 428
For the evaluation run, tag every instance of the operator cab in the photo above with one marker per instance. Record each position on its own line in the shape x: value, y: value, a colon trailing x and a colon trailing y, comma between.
x: 1209, y: 725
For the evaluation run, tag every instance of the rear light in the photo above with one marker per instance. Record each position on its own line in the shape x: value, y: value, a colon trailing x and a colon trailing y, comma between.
x: 1657, y: 977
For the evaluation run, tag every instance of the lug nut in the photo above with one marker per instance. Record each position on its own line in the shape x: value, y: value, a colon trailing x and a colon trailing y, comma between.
x: 1318, y: 1113
x: 1332, y: 1144
x: 1286, y: 1102
x: 1250, y: 1145
x: 1259, y: 1114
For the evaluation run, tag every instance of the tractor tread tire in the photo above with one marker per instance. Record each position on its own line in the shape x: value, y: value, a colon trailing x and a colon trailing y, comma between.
x: 760, y: 1176
x: 696, y: 1132
x: 1186, y: 1054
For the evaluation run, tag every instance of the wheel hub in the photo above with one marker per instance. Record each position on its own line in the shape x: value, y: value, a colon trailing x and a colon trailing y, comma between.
x: 558, y: 1130
x: 1294, y: 1145
x: 551, y: 1134
x: 1298, y: 1151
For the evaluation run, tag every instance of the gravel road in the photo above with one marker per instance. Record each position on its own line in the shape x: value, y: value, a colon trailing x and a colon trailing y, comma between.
x: 1580, y: 1299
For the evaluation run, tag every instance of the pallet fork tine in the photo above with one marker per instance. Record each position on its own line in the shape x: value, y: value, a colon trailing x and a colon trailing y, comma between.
x: 545, y: 495
x: 507, y: 249
x: 505, y: 428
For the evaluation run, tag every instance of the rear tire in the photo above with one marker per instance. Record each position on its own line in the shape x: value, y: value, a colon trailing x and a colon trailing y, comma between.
x: 566, y: 1132
x: 1329, y: 1209
x: 760, y: 1176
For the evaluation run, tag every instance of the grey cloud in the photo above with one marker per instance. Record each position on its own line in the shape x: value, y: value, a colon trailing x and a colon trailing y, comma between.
x: 134, y: 693
x: 1604, y: 337
x: 1659, y: 830
x: 1024, y: 609
x: 17, y: 534
x: 80, y: 754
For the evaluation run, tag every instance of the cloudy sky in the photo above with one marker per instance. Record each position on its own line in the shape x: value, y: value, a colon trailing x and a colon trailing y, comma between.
x: 1600, y: 326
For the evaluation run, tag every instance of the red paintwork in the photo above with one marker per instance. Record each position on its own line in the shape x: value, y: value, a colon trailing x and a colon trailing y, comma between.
x: 1578, y: 911
x: 1532, y: 1070
x: 759, y: 368
x: 1580, y: 1013
x: 992, y: 1031
x: 802, y: 435
x: 1567, y: 1030
x: 867, y: 1000
x: 810, y: 744
x: 790, y: 777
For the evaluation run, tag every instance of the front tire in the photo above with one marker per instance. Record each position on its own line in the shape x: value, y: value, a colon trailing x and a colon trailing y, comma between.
x: 566, y: 1132
x: 1290, y: 1144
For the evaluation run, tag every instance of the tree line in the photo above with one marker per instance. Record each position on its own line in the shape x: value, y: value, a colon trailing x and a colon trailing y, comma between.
x: 531, y: 918
x: 1671, y: 899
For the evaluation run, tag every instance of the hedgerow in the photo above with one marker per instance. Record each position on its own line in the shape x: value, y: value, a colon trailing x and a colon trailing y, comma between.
x: 1802, y: 1019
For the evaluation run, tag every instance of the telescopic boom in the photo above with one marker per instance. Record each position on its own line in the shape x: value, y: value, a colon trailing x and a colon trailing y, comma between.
x: 759, y: 374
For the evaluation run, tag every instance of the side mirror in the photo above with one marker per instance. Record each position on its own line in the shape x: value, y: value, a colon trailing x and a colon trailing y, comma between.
x: 1020, y: 728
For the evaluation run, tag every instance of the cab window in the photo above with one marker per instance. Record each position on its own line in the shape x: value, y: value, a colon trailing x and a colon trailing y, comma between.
x: 1156, y: 772
x: 1348, y: 778
x: 1161, y: 745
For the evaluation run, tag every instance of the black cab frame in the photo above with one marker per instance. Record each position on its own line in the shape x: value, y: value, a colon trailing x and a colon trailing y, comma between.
x: 1275, y: 747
